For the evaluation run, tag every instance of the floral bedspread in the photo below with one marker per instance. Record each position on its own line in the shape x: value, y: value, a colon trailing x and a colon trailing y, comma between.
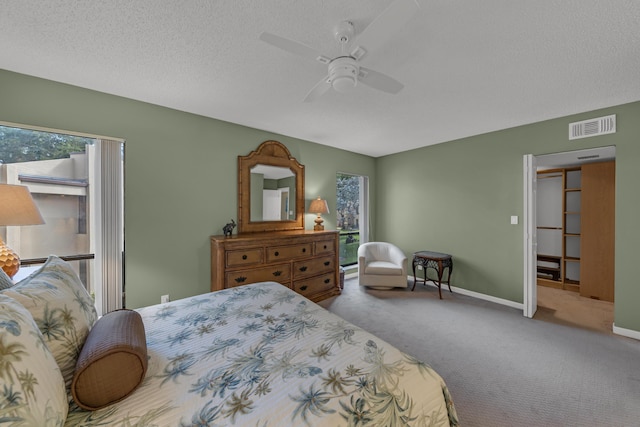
x: 261, y: 355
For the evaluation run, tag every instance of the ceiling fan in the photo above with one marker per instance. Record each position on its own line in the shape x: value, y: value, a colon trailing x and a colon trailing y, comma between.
x: 345, y: 71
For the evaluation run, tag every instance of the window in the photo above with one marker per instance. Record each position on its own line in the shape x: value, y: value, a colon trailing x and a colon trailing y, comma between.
x: 352, y: 218
x: 77, y: 184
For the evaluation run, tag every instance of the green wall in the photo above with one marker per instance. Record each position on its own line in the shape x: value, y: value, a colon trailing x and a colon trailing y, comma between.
x: 458, y: 197
x: 180, y: 176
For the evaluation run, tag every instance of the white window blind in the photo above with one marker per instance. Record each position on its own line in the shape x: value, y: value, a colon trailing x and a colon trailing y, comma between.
x: 108, y: 225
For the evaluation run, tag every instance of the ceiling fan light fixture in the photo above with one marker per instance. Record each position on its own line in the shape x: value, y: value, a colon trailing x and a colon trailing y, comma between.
x: 343, y: 74
x: 344, y: 84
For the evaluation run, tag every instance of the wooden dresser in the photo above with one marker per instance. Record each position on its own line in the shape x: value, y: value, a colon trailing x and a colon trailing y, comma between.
x: 305, y: 261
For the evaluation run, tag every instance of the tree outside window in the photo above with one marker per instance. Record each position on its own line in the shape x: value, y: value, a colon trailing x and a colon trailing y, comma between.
x: 348, y: 216
x: 23, y: 145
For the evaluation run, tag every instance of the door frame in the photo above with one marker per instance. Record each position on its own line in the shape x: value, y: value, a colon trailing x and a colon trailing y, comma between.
x: 530, y: 165
x: 530, y: 296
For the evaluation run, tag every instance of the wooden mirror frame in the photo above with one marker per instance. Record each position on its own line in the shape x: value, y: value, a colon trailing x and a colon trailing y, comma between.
x: 271, y: 153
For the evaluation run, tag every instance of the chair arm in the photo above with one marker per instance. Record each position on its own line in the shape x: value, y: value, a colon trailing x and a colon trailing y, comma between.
x: 361, y: 262
x: 362, y: 255
x: 397, y: 256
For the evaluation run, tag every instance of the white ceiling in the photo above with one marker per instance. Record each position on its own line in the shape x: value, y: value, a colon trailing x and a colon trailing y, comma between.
x: 468, y: 67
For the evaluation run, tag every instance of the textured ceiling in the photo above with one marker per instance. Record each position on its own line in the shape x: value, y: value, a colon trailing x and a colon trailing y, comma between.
x: 468, y: 67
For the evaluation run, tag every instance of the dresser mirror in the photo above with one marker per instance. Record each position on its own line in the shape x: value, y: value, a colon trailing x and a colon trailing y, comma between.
x: 270, y: 190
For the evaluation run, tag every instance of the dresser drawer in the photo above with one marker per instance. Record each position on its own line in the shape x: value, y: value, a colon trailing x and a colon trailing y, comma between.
x: 312, y: 267
x: 277, y: 273
x: 282, y: 253
x: 315, y: 284
x: 324, y: 247
x: 244, y: 257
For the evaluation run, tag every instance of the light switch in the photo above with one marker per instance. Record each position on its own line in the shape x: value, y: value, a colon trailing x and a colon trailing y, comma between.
x: 514, y: 219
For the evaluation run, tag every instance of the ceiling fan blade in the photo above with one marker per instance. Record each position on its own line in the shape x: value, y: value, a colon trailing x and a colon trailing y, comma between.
x: 379, y: 81
x: 290, y: 46
x: 318, y: 90
x: 385, y: 25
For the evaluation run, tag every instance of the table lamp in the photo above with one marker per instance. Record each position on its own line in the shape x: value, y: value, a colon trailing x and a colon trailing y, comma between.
x: 319, y: 206
x: 16, y: 208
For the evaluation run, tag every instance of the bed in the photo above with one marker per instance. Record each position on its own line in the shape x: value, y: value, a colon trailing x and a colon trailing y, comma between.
x: 262, y: 355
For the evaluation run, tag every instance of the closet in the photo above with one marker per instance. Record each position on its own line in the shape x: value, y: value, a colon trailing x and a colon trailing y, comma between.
x: 575, y: 230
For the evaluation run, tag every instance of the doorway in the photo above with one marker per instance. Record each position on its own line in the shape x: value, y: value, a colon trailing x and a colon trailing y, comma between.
x: 532, y: 164
x: 352, y: 214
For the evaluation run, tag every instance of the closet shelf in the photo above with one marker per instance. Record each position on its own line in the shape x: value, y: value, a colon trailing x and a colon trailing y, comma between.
x: 566, y: 238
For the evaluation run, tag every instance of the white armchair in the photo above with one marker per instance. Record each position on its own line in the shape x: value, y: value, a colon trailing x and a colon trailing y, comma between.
x: 382, y: 265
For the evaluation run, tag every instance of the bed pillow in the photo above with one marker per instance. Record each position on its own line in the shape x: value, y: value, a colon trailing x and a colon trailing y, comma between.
x: 62, y: 309
x: 30, y: 380
x: 113, y: 361
x: 5, y: 281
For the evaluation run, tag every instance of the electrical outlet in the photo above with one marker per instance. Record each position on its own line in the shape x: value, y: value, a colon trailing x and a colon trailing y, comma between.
x: 164, y: 298
x: 419, y: 267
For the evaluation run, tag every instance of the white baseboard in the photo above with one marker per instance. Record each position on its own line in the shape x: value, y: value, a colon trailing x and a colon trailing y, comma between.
x: 478, y: 295
x: 485, y: 297
x: 629, y: 333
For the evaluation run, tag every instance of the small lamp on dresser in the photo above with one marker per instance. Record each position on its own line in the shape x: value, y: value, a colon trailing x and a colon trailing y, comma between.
x: 319, y: 206
x: 16, y: 208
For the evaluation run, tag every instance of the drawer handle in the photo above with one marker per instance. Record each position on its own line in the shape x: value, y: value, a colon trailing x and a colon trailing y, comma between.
x: 303, y: 268
x: 244, y: 257
x: 327, y: 280
x: 277, y: 253
x: 327, y: 262
x: 303, y: 288
x: 240, y: 279
x: 277, y: 273
x: 304, y: 250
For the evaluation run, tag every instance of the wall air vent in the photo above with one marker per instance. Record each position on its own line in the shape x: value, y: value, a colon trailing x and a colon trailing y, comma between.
x: 595, y: 156
x: 592, y: 127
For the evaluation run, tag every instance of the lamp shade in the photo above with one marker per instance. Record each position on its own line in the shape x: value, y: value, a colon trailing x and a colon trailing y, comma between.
x: 17, y: 206
x: 319, y: 206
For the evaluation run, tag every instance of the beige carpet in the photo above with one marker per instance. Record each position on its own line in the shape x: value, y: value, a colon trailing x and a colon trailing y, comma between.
x: 570, y: 309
